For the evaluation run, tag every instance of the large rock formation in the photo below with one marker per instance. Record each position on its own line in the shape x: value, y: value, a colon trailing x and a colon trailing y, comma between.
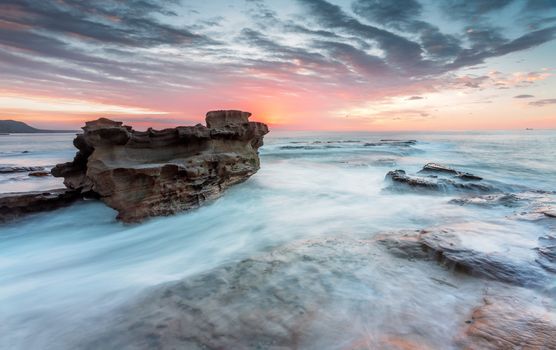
x: 161, y: 172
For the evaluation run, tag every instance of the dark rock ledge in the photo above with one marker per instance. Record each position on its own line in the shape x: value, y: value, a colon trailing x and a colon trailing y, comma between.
x: 445, y: 245
x: 440, y: 179
x: 14, y: 205
x: 156, y: 172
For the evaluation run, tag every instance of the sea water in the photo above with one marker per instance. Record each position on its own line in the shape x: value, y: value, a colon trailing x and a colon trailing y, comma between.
x: 61, y: 270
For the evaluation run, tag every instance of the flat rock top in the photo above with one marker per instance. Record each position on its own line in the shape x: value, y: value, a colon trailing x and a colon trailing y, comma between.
x: 217, y: 119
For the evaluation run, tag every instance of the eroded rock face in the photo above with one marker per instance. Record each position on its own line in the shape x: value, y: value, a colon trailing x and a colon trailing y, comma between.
x: 161, y: 172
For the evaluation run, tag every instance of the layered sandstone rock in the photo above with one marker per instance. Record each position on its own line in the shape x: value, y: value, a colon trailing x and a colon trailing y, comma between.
x: 161, y: 172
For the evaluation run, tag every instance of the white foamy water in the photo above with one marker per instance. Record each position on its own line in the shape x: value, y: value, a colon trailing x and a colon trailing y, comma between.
x: 59, y: 270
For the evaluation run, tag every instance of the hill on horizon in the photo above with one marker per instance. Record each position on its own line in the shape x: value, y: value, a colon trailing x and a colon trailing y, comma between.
x: 9, y: 126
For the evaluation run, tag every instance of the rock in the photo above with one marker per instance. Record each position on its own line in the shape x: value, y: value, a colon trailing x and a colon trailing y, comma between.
x: 399, y: 178
x: 389, y: 142
x: 39, y: 173
x: 438, y: 168
x: 506, y: 323
x: 491, y: 200
x: 19, y: 169
x: 447, y: 246
x: 547, y: 253
x: 541, y: 207
x: 161, y: 172
x: 314, y: 294
x: 14, y: 205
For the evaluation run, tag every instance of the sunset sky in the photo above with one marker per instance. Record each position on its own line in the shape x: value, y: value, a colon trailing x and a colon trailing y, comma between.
x: 295, y: 64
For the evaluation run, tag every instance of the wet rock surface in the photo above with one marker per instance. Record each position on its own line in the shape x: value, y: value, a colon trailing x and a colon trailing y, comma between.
x: 507, y: 323
x: 322, y: 294
x: 15, y: 205
x: 455, y: 248
x: 509, y: 200
x: 316, y: 294
x: 399, y: 179
x: 435, y: 168
x: 547, y: 252
x: 19, y: 169
x: 161, y: 172
x: 390, y: 142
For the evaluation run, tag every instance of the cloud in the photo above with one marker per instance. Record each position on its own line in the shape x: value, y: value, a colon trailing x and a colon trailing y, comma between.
x: 545, y: 102
x: 464, y: 9
x: 524, y: 96
x: 415, y: 98
x: 160, y: 55
x: 388, y: 12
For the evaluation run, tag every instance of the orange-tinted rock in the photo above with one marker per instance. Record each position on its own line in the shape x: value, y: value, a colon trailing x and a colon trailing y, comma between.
x: 507, y: 323
x: 161, y: 172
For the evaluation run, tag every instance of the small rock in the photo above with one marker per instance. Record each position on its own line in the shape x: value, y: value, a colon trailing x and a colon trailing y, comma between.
x: 39, y: 173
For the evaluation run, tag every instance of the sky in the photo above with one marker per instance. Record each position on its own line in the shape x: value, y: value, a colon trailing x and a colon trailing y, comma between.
x: 337, y: 65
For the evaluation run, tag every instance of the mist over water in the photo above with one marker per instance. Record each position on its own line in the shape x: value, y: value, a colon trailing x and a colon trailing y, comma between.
x: 63, y: 271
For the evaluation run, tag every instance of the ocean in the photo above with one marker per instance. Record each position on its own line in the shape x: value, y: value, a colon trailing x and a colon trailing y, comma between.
x: 65, y: 273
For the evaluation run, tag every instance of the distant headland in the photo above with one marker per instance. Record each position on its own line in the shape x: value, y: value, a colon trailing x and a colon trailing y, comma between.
x: 15, y: 127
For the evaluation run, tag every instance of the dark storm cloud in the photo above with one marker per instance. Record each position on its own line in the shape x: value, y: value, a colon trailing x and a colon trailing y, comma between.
x: 476, y: 55
x: 357, y: 60
x: 432, y: 52
x: 257, y: 39
x: 541, y: 103
x: 527, y: 41
x: 403, y: 15
x: 400, y: 52
x: 111, y: 43
x: 385, y: 11
x: 470, y: 10
x: 524, y: 96
x: 128, y: 23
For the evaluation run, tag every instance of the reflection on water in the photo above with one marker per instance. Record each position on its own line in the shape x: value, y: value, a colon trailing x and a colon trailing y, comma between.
x: 61, y: 270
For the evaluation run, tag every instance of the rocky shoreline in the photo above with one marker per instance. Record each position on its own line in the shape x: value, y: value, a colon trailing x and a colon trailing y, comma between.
x: 319, y: 293
x: 151, y: 173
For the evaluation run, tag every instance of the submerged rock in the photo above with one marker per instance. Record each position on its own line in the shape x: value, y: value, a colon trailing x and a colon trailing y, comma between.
x: 547, y: 253
x: 161, y: 172
x: 14, y: 205
x: 314, y: 294
x: 19, y: 169
x: 454, y: 247
x: 442, y: 169
x: 399, y: 178
x: 39, y: 173
x: 505, y: 323
x: 491, y: 200
x: 390, y: 142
